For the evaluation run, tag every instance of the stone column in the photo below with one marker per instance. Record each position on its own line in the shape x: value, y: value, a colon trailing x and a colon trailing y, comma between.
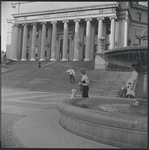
x: 116, y: 34
x: 43, y: 37
x: 49, y: 41
x: 15, y: 41
x: 126, y: 32
x: 76, y: 40
x: 24, y: 45
x: 88, y: 30
x: 100, y: 33
x: 65, y: 40
x: 33, y: 42
x: 112, y: 36
x: 54, y: 36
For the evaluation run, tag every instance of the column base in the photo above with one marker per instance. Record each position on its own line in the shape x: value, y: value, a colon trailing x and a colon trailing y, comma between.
x: 64, y: 59
x: 33, y: 59
x: 23, y: 59
x: 75, y: 59
x: 14, y: 59
x: 42, y: 59
x: 52, y: 59
x: 86, y: 59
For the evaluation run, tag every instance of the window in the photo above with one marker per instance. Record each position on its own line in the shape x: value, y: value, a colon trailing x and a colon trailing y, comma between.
x: 139, y: 16
x: 107, y: 46
x: 45, y: 51
x: 135, y: 2
x: 95, y: 50
x: 28, y: 34
x: 46, y: 31
x: 36, y: 51
x: 27, y: 52
x: 96, y: 30
x: 37, y: 33
x: 108, y: 29
x: 45, y: 54
x: 138, y: 41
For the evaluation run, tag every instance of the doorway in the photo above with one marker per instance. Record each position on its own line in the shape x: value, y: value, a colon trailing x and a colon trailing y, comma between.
x: 61, y: 48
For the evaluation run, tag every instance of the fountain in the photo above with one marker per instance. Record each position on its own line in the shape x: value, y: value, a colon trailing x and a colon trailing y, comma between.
x: 135, y: 57
x: 104, y: 124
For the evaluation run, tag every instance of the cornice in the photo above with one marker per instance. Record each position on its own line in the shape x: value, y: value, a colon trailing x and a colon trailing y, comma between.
x: 66, y: 10
x: 138, y: 6
x: 139, y: 24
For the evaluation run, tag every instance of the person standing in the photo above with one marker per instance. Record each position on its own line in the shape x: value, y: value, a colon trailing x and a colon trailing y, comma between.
x: 84, y: 83
x: 39, y: 64
x: 71, y: 75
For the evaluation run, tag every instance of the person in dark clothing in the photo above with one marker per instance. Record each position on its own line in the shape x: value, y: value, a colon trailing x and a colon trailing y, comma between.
x: 39, y: 64
x: 84, y: 83
x: 122, y: 92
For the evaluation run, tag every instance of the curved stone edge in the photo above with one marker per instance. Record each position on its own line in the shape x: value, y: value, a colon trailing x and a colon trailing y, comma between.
x: 117, y: 131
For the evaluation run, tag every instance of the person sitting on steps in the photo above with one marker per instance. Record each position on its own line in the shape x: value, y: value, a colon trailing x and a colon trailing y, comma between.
x: 122, y: 92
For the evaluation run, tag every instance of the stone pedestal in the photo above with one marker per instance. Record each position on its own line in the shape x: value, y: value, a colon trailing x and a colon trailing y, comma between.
x: 100, y: 63
x: 140, y: 107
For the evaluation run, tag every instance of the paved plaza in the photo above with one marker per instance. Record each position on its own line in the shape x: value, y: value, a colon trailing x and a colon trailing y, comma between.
x: 30, y: 120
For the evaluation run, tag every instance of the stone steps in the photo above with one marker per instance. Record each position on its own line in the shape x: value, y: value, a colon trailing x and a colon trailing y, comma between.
x: 53, y: 77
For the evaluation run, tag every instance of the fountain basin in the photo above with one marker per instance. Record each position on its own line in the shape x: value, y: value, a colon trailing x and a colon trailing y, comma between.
x: 120, y: 130
x: 126, y: 56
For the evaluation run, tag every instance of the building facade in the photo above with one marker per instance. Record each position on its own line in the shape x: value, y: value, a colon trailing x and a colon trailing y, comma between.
x: 72, y: 31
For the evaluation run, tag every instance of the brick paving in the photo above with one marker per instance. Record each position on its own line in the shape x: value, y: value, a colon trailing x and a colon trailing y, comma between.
x: 9, y: 140
x: 19, y: 100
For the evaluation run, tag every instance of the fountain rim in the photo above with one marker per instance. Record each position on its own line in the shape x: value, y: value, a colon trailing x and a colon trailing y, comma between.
x: 124, y: 49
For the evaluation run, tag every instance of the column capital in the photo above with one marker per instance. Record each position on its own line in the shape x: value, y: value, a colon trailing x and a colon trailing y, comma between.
x: 34, y: 24
x: 15, y: 25
x: 53, y: 22
x: 24, y: 24
x: 65, y: 21
x: 100, y: 18
x: 77, y: 20
x: 113, y: 17
x: 88, y: 19
x: 43, y: 23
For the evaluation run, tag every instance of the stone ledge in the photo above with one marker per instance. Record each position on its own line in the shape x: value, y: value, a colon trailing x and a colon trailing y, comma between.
x: 117, y: 130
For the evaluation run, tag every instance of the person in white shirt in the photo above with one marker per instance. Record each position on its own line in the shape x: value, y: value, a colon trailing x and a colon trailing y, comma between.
x: 71, y: 75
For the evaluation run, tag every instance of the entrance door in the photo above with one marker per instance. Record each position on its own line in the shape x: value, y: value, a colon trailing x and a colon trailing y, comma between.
x: 61, y: 49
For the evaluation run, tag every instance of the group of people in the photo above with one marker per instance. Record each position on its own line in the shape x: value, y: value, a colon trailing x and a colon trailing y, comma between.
x: 126, y: 91
x: 84, y: 84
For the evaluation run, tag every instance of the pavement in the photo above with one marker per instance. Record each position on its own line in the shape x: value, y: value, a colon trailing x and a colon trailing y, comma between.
x: 30, y: 120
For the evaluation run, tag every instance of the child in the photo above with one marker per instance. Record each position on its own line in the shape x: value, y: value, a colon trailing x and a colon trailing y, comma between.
x: 74, y: 94
x: 130, y: 93
x: 122, y: 92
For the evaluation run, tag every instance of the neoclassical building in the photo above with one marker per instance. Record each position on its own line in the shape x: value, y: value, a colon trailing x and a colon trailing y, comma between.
x: 72, y: 31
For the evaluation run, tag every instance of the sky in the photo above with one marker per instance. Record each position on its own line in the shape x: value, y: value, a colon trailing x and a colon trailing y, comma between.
x: 6, y: 14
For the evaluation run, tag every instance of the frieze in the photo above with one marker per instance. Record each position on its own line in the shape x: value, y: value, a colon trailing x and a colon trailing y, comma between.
x: 59, y: 15
x: 63, y: 14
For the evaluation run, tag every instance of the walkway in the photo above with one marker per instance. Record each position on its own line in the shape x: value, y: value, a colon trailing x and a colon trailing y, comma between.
x: 30, y: 120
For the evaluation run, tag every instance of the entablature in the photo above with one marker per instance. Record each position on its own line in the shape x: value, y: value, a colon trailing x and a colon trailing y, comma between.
x: 70, y: 10
x: 58, y: 18
x: 108, y: 12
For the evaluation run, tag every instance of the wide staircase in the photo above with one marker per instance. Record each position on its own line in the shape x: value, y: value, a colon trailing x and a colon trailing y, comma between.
x: 53, y: 77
